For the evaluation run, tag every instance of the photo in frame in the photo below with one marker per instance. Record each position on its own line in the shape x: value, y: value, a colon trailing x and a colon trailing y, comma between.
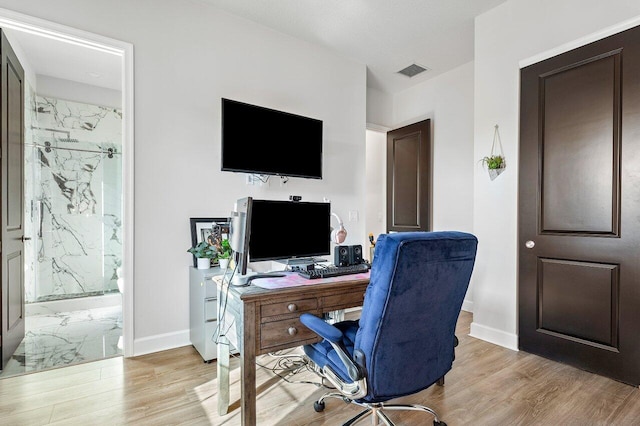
x: 202, y: 229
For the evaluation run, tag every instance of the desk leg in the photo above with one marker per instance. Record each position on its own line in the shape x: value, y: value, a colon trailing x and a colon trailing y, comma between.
x: 222, y: 362
x: 248, y: 365
x: 223, y: 376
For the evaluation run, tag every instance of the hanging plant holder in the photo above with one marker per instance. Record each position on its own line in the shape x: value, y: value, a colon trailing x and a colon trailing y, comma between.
x: 496, y: 163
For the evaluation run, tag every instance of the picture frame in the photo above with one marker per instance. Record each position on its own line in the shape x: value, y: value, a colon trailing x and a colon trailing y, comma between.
x: 201, y: 230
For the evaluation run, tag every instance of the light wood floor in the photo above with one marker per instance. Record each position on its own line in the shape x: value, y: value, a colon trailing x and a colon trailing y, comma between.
x: 489, y: 385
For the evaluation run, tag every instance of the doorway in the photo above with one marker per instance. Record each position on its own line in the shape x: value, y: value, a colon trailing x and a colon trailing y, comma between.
x: 78, y: 195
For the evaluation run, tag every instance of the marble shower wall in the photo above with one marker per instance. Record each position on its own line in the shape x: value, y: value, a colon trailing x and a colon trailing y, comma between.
x: 74, y: 199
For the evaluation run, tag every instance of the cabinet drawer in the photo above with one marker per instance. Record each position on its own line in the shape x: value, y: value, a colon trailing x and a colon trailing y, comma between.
x: 210, y: 288
x: 210, y: 310
x: 284, y: 332
x: 288, y: 307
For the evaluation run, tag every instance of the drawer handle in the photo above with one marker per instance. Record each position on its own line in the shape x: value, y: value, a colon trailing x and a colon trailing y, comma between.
x: 292, y: 331
x: 292, y: 307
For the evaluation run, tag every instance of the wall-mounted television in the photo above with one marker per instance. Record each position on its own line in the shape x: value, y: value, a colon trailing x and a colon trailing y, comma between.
x: 266, y: 141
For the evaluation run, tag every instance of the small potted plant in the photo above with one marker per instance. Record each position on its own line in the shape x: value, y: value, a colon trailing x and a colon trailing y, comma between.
x: 224, y: 252
x: 495, y: 164
x: 204, y: 252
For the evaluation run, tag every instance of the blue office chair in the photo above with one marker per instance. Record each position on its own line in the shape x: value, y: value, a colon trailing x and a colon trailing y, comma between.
x: 404, y: 341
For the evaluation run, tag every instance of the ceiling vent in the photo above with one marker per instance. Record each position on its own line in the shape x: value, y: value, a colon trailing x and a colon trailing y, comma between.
x: 413, y: 70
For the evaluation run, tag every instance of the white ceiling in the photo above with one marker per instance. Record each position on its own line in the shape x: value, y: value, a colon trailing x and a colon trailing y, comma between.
x: 386, y: 35
x: 68, y: 61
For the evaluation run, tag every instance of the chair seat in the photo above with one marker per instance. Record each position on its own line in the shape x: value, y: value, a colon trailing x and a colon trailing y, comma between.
x: 322, y: 353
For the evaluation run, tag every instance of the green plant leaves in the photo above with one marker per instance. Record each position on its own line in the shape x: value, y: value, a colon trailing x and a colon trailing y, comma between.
x: 494, y: 162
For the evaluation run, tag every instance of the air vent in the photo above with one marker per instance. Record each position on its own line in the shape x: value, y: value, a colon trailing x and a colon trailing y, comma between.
x: 412, y: 70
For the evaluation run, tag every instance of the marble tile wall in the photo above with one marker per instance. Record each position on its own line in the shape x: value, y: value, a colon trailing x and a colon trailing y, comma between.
x: 74, y: 199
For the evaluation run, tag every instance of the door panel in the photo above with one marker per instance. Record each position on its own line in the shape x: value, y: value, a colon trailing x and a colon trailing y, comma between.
x: 579, y: 203
x: 580, y: 160
x: 12, y: 255
x: 408, y: 178
x: 568, y: 310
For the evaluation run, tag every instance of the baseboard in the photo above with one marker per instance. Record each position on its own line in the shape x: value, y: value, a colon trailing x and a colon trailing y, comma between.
x: 467, y: 305
x: 495, y: 336
x: 161, y: 342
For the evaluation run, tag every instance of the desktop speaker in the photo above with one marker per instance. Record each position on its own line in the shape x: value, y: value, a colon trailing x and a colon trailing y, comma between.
x: 341, y: 256
x: 355, y: 255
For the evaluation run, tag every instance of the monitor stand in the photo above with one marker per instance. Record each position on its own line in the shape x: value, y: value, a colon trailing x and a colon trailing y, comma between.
x: 300, y: 263
x: 241, y: 280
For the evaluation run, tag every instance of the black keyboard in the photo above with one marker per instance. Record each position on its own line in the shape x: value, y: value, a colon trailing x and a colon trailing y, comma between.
x: 334, y: 271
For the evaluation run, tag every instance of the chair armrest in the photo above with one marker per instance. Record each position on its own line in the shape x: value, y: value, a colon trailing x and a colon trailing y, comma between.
x: 334, y: 336
x: 321, y: 328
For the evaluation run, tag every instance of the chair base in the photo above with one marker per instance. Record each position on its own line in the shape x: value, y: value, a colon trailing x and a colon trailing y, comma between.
x: 376, y: 410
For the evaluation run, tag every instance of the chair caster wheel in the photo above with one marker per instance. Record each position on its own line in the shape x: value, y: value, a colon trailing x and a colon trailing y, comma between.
x: 318, y: 406
x: 435, y: 423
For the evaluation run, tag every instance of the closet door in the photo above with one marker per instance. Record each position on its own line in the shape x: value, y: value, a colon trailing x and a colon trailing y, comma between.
x: 579, y: 208
x: 12, y: 234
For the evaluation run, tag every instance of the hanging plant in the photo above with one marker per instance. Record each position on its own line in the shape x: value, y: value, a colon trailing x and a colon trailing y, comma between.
x: 495, y: 163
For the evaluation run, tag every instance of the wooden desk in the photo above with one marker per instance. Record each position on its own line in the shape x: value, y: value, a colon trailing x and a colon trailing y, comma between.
x: 260, y: 321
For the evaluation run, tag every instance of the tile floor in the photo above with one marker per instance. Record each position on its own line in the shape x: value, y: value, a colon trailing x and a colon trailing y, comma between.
x: 66, y: 338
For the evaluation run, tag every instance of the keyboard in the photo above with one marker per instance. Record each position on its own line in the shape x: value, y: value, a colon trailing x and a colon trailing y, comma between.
x: 334, y: 271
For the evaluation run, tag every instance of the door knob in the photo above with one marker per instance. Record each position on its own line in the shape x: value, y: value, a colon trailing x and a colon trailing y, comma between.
x: 25, y: 238
x: 530, y: 244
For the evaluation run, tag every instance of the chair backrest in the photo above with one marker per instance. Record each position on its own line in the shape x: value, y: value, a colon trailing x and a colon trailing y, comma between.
x: 406, y: 330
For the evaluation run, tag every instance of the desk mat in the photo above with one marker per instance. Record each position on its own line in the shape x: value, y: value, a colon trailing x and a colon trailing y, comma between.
x: 292, y: 279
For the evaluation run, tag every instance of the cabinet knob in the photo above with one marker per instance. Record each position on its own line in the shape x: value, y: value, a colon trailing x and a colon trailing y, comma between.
x: 530, y: 244
x: 292, y: 307
x: 292, y: 331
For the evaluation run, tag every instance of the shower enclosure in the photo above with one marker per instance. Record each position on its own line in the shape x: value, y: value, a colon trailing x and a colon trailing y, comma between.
x: 73, y: 197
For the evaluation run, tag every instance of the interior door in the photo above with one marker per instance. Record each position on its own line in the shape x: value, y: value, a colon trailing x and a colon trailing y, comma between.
x: 409, y: 178
x: 579, y: 208
x: 12, y: 255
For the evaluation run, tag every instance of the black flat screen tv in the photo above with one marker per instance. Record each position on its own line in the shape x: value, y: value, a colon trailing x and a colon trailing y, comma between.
x: 265, y: 141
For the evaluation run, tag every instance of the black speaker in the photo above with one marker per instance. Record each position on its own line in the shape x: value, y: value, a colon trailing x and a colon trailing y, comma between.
x: 355, y: 255
x: 341, y: 256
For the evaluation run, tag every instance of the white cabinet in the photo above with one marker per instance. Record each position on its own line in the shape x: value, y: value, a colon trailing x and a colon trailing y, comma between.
x: 203, y: 311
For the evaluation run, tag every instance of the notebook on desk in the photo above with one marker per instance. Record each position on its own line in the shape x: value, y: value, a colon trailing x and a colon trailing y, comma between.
x: 292, y: 279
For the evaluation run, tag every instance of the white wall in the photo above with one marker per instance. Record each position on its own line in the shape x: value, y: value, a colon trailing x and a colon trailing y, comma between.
x: 187, y: 56
x: 504, y: 36
x: 448, y: 101
x: 379, y: 108
x: 376, y: 185
x: 59, y: 88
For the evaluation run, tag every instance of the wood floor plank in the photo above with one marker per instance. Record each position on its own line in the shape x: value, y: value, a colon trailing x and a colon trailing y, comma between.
x: 488, y: 385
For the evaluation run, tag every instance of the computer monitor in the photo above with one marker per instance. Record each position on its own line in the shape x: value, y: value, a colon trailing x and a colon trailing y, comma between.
x: 280, y: 230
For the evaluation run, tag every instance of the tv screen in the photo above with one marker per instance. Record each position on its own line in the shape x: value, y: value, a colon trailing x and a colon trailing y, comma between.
x: 266, y: 141
x: 287, y: 230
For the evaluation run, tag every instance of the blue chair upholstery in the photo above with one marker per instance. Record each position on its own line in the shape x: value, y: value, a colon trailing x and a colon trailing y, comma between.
x: 404, y: 341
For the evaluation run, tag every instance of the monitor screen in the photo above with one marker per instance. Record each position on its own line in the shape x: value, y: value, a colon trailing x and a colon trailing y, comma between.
x: 266, y: 141
x: 286, y: 229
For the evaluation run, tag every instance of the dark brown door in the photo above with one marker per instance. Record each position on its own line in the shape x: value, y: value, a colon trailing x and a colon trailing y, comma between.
x: 409, y: 178
x: 11, y: 135
x: 579, y: 208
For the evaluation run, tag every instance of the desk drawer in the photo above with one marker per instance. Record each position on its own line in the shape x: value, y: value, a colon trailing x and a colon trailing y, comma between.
x: 288, y: 307
x: 284, y: 332
x: 341, y: 301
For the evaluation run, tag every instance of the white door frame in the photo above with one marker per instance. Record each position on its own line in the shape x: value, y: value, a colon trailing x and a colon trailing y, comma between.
x: 20, y: 22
